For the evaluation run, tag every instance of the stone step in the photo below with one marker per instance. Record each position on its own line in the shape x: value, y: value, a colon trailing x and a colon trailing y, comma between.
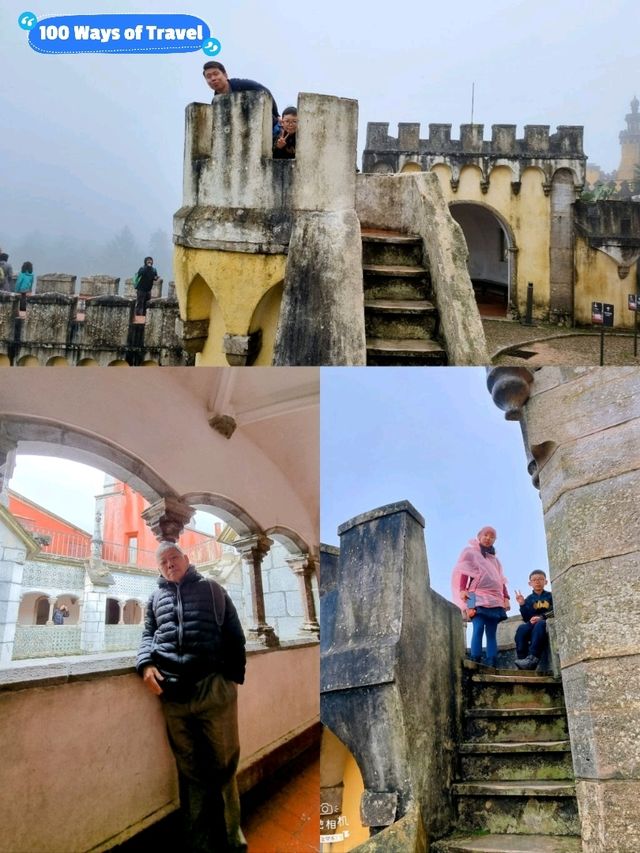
x: 509, y: 844
x: 381, y: 351
x: 386, y: 248
x: 399, y: 319
x: 382, y: 287
x: 545, y: 807
x: 501, y: 725
x: 516, y: 760
x: 401, y: 306
x: 394, y: 271
x: 497, y: 690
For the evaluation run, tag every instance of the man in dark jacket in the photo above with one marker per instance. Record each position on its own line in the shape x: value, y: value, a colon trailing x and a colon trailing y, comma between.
x: 216, y: 78
x: 192, y: 656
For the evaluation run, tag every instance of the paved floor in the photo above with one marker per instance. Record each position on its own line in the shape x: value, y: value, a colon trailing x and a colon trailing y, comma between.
x: 511, y: 343
x: 287, y: 818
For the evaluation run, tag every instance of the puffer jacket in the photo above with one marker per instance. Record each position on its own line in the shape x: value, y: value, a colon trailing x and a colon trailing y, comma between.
x: 182, y: 638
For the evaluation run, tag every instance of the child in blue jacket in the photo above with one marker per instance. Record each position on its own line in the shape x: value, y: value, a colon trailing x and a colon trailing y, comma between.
x: 531, y: 636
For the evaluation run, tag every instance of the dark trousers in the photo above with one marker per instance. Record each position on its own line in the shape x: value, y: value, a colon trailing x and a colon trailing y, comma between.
x: 531, y: 639
x: 483, y: 625
x: 142, y: 297
x: 203, y: 734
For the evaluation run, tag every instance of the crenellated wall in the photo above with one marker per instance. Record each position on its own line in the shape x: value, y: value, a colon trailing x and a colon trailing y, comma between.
x: 525, y: 187
x: 96, y: 327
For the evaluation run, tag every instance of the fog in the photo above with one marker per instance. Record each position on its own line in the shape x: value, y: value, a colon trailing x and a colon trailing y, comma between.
x: 92, y: 144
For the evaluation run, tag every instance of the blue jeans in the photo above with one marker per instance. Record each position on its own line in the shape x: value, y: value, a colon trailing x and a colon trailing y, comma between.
x: 482, y: 624
x: 531, y: 639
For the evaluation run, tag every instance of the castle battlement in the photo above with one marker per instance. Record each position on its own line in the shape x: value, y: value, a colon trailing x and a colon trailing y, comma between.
x: 566, y: 142
x: 236, y: 197
x: 61, y: 328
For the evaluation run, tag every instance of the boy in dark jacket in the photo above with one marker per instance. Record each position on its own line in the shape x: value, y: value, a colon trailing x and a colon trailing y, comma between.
x: 146, y: 277
x: 192, y: 656
x: 531, y: 636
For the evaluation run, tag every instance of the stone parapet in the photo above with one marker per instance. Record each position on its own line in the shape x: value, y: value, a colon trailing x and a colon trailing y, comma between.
x: 99, y: 285
x: 56, y: 283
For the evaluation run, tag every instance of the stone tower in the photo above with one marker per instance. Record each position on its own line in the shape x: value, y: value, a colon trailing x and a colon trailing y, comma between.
x: 630, y: 144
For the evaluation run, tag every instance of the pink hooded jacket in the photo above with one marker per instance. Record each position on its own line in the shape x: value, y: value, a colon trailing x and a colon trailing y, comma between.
x: 487, y: 579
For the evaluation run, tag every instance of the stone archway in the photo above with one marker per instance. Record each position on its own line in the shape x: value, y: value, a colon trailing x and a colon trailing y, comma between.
x: 492, y: 250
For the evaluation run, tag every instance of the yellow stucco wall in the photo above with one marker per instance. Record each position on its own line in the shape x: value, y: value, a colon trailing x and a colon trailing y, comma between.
x: 353, y: 790
x: 237, y: 282
x: 597, y: 280
x: 528, y: 216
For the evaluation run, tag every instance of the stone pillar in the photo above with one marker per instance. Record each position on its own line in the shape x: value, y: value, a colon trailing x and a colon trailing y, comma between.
x: 303, y: 566
x: 388, y: 642
x: 92, y: 630
x: 561, y: 260
x: 253, y: 549
x: 167, y: 518
x: 52, y: 603
x: 582, y: 431
x: 120, y: 612
x: 322, y: 311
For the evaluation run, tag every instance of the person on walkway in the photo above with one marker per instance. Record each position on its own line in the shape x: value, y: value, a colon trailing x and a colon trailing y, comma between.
x: 60, y: 614
x: 480, y: 590
x: 7, y: 271
x: 146, y: 277
x: 531, y: 637
x: 192, y: 655
x: 215, y: 75
x: 24, y: 283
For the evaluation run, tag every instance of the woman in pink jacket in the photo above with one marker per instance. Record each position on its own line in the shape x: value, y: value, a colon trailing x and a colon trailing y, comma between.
x: 480, y: 588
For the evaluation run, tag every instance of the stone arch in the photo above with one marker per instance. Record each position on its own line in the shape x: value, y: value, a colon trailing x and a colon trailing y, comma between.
x: 533, y: 174
x: 132, y: 612
x: 567, y: 170
x: 87, y: 362
x: 5, y: 361
x: 410, y: 166
x: 57, y: 361
x: 383, y: 167
x: 294, y: 543
x: 42, y: 437
x: 226, y: 509
x: 28, y: 361
x: 28, y: 610
x: 149, y: 363
x: 492, y: 254
x: 118, y: 362
x: 199, y: 299
x: 41, y: 610
x: 111, y: 611
x: 341, y: 785
x: 265, y: 317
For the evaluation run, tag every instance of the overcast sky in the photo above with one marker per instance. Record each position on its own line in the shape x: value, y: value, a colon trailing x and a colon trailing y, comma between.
x: 433, y: 437
x: 90, y: 143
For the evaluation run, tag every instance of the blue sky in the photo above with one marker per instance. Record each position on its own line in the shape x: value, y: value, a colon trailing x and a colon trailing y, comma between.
x: 432, y: 436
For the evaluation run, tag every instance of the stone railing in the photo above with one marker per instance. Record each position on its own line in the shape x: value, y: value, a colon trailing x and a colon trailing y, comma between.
x: 120, y: 638
x: 46, y: 641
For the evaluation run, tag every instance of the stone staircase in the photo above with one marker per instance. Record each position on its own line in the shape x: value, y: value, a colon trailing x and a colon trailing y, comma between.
x: 401, y: 322
x: 515, y: 791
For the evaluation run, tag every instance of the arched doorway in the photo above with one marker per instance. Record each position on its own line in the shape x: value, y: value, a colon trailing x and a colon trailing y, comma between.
x: 491, y: 252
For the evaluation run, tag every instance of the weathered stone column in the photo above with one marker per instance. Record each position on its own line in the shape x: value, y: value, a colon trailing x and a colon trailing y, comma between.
x: 52, y: 603
x: 391, y: 667
x: 253, y: 550
x: 167, y: 518
x: 120, y: 612
x: 582, y: 431
x: 303, y: 566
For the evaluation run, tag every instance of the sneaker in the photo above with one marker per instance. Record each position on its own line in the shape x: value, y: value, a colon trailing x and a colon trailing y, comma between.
x: 521, y: 663
x: 532, y: 662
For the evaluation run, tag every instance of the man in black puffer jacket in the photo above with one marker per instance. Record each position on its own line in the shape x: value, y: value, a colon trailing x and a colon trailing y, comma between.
x: 192, y: 655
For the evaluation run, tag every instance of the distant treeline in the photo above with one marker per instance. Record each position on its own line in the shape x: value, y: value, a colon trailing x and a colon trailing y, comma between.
x: 119, y: 256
